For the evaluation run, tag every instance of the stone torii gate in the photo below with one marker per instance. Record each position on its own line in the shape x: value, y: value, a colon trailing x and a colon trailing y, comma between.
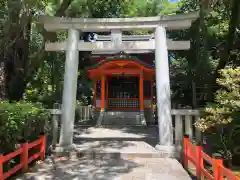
x: 160, y: 44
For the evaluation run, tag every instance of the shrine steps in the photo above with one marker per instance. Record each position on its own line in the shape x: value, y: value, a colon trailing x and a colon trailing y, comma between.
x: 121, y: 118
x: 116, y: 141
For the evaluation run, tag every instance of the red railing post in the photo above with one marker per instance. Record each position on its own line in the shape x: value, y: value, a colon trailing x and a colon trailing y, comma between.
x: 218, y: 162
x: 185, y: 151
x: 1, y: 166
x: 24, y: 157
x: 199, y: 161
x: 43, y: 147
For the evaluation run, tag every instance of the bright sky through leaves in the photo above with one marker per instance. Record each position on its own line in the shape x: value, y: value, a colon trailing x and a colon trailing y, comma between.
x: 173, y: 1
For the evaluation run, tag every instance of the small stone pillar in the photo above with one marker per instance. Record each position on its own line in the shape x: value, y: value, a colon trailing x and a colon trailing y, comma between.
x: 141, y: 99
x: 56, y: 114
x: 103, y: 100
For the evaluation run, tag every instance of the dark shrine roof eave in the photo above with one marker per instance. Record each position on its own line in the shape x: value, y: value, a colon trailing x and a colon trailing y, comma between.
x: 121, y: 59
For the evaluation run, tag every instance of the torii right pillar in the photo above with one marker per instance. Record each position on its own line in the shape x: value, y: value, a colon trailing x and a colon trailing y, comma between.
x: 165, y: 145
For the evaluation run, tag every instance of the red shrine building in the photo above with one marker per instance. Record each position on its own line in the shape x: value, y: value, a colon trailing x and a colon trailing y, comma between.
x: 123, y: 88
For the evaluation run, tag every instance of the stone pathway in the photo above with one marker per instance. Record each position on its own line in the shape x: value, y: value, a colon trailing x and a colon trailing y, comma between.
x: 118, y: 148
x: 109, y: 169
x: 110, y: 153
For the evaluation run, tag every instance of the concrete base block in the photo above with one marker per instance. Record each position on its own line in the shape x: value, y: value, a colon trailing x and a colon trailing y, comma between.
x: 64, y: 150
x: 167, y: 151
x: 142, y: 118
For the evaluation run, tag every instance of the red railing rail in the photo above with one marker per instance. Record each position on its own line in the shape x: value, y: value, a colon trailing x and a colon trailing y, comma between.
x: 197, y: 157
x: 23, y: 152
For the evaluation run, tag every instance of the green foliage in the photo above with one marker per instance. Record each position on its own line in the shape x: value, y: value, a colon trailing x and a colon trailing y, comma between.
x: 20, y: 121
x: 227, y: 101
x: 221, y: 119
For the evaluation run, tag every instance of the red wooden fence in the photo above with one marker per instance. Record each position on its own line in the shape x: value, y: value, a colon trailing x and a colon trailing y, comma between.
x: 24, y: 157
x: 196, y: 155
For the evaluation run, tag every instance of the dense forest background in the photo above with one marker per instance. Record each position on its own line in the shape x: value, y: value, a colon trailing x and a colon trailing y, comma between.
x: 29, y: 73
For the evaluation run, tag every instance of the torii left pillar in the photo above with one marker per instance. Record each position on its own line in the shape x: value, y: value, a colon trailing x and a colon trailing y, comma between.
x: 69, y: 91
x: 165, y: 145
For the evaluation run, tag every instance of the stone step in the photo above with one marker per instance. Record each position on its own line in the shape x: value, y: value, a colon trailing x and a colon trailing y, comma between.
x: 108, y: 155
x: 116, y: 133
x: 121, y: 118
x: 113, y: 149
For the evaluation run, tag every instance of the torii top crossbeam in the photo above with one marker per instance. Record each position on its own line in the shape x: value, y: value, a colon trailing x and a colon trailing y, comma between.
x: 107, y: 24
x: 117, y: 41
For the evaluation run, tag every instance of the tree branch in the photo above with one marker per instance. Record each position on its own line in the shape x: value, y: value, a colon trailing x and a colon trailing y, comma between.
x: 224, y: 59
x: 64, y: 6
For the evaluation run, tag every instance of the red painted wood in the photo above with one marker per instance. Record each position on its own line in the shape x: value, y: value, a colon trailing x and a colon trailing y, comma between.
x: 120, y: 66
x: 34, y: 143
x: 199, y: 161
x: 24, y: 156
x: 1, y: 166
x: 24, y: 159
x: 185, y: 142
x: 33, y: 157
x: 12, y: 155
x: 216, y: 166
x: 12, y: 171
x: 43, y: 147
x: 198, y: 156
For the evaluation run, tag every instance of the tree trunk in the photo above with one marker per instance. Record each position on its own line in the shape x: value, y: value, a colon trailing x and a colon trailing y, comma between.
x: 17, y: 56
x: 202, y: 67
x: 2, y: 81
x: 226, y: 55
x: 14, y: 76
x: 48, y: 36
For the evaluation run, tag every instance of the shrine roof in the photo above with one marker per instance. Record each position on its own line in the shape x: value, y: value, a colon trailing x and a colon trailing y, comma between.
x: 120, y: 58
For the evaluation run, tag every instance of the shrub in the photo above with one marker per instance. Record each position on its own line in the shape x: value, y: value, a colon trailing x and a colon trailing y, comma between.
x: 227, y: 101
x: 221, y: 119
x: 20, y: 121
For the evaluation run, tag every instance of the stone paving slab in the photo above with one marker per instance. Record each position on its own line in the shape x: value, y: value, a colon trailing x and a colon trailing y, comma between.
x: 115, y: 132
x: 114, y: 148
x: 111, y: 133
x: 109, y: 169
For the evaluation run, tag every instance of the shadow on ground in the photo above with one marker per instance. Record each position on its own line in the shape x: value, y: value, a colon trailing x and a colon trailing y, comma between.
x: 116, y: 133
x: 85, y: 168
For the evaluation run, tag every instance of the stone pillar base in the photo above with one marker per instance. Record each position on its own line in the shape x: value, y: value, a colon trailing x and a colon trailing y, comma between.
x: 142, y: 118
x: 100, y: 117
x: 61, y: 148
x: 64, y: 150
x: 167, y: 151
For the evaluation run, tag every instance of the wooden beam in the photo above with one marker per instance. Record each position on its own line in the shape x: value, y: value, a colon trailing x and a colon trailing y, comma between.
x: 181, y: 21
x: 111, y: 46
